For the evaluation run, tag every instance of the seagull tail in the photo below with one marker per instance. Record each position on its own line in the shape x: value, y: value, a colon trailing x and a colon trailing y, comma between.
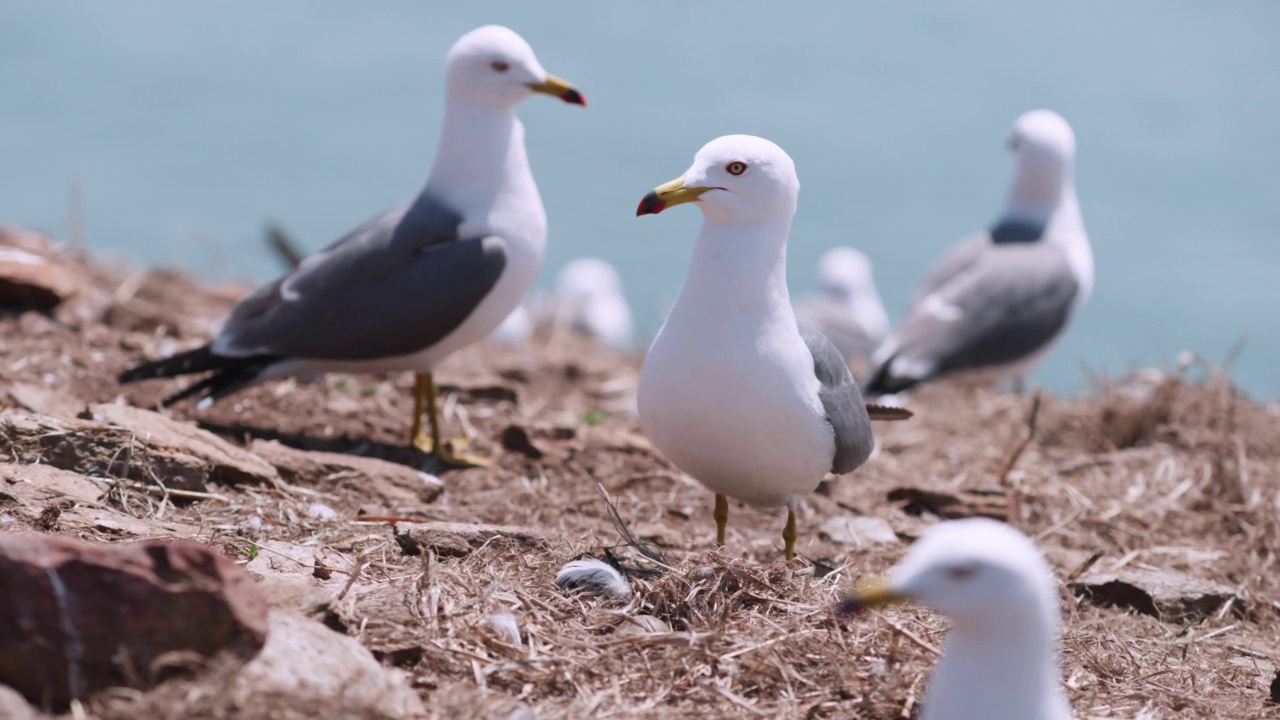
x: 229, y: 373
x: 882, y: 381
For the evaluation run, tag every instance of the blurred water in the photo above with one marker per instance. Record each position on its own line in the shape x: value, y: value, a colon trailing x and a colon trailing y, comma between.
x: 186, y: 125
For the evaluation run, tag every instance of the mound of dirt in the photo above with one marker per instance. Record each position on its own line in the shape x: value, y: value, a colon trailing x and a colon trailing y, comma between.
x: 1155, y: 497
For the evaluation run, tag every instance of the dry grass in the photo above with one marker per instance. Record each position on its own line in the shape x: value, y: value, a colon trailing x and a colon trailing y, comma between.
x: 1173, y: 472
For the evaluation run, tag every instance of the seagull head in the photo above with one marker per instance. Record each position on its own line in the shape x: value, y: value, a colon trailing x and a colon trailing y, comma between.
x: 493, y: 66
x: 1045, y: 150
x: 983, y: 574
x: 736, y: 180
x: 844, y: 272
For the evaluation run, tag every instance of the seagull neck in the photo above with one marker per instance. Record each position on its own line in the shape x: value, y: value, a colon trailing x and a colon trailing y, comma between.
x: 1006, y: 671
x: 738, y: 267
x: 480, y: 156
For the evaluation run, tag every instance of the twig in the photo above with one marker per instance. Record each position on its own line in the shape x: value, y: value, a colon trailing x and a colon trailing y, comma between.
x: 614, y: 517
x: 1022, y: 446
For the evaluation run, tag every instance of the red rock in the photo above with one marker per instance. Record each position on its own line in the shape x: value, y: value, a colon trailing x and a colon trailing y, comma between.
x: 77, y: 616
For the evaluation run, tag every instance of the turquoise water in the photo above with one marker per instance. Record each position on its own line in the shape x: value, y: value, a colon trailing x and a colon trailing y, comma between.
x: 187, y: 124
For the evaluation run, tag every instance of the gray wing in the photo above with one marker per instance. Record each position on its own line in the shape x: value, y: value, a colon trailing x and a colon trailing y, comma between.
x: 841, y: 401
x: 1005, y: 306
x: 393, y: 286
x: 959, y: 258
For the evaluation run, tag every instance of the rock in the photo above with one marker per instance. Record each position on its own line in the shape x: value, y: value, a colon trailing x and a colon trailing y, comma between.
x: 173, y: 442
x: 859, y: 532
x: 305, y: 671
x: 26, y: 491
x: 394, y: 487
x: 121, y: 441
x: 1164, y: 594
x: 449, y: 539
x: 77, y: 616
x: 307, y: 665
x: 32, y: 282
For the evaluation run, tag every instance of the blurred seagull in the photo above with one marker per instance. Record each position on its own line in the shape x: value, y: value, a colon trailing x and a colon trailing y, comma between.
x: 846, y: 308
x: 1001, y: 655
x: 995, y: 304
x: 413, y: 285
x: 734, y: 391
x: 589, y: 297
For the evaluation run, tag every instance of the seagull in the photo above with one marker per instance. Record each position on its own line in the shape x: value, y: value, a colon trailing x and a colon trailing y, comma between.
x: 734, y: 390
x: 994, y: 305
x: 1001, y: 656
x: 412, y: 285
x: 515, y: 329
x: 846, y: 308
x: 589, y: 297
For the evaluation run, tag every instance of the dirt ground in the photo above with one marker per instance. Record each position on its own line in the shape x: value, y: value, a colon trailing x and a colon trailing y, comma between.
x: 1163, y: 487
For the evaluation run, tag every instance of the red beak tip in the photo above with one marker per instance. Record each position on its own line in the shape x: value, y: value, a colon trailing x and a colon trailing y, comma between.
x: 650, y: 205
x: 573, y: 97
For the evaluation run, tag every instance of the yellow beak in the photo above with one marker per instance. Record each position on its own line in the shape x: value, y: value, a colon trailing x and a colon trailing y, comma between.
x: 666, y: 195
x: 556, y: 87
x: 874, y: 594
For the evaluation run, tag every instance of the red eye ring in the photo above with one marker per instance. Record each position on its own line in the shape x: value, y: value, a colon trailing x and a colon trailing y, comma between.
x: 500, y: 65
x: 737, y: 167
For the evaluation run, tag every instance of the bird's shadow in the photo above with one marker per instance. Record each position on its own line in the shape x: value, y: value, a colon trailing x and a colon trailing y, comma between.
x: 342, y: 445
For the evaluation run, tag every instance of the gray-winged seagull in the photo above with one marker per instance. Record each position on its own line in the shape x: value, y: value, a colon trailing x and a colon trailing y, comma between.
x: 420, y: 281
x: 734, y: 390
x: 846, y: 307
x: 995, y: 304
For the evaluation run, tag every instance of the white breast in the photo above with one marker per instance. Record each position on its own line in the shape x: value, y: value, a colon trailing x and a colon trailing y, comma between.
x: 735, y: 408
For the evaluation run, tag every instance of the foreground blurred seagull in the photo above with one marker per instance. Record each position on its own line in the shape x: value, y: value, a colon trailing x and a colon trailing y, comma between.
x: 589, y: 297
x: 999, y: 299
x: 1001, y: 655
x: 846, y: 308
x: 420, y: 281
x: 734, y: 391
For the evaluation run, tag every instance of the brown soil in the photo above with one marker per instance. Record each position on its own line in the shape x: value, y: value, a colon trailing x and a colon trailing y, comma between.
x: 1175, y: 475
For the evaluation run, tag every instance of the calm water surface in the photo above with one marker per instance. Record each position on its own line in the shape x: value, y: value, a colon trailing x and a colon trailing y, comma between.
x: 186, y: 125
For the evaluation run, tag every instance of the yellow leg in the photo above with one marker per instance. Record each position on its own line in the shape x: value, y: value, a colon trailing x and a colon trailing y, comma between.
x: 789, y: 535
x: 722, y: 518
x: 426, y: 401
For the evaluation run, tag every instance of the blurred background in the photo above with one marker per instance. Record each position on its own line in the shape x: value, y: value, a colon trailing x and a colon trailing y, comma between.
x: 184, y: 127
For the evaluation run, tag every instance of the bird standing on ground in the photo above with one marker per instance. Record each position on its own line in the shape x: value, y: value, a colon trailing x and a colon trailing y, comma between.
x: 420, y: 281
x: 995, y: 304
x: 1001, y: 656
x: 846, y: 308
x: 589, y: 297
x: 734, y: 390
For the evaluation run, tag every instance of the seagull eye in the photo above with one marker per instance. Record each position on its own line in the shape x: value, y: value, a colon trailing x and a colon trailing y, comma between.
x: 500, y: 66
x: 961, y: 572
x: 737, y: 167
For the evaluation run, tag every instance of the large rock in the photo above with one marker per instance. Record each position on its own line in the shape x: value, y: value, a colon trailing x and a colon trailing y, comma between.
x: 77, y: 617
x: 129, y: 442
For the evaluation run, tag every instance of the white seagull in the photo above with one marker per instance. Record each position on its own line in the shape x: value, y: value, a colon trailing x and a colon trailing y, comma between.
x: 412, y: 285
x: 996, y: 303
x: 734, y: 390
x: 1001, y: 655
x: 846, y: 308
x: 589, y: 297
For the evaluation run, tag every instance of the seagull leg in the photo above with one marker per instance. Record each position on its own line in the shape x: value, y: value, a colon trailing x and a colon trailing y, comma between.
x: 722, y: 517
x: 425, y: 397
x: 789, y: 534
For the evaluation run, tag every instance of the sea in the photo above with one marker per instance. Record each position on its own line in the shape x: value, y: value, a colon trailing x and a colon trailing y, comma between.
x: 169, y: 133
